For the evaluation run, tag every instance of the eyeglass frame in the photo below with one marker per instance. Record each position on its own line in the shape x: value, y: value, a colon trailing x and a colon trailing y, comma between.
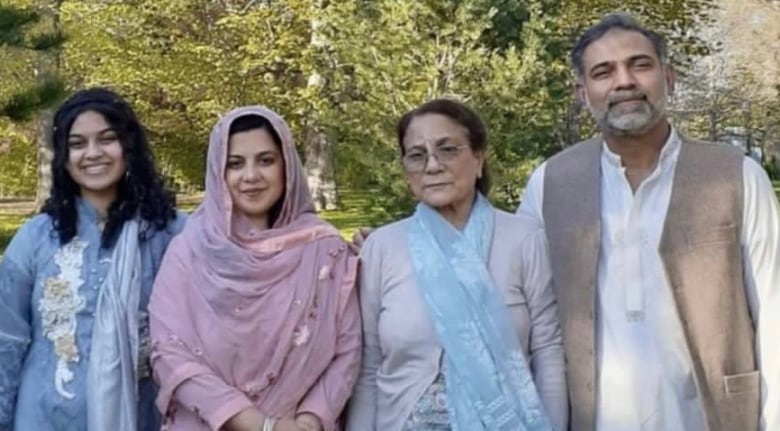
x: 436, y: 153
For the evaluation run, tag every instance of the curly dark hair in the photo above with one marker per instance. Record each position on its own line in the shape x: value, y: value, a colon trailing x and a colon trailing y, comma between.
x: 141, y: 191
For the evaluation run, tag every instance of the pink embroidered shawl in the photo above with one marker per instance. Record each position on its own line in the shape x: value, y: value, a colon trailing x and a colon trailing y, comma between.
x: 243, y: 317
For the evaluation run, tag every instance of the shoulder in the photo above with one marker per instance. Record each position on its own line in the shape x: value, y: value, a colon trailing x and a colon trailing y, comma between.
x: 36, y: 229
x: 522, y: 237
x: 385, y: 241
x: 176, y: 225
x: 163, y: 236
x: 332, y: 238
x: 517, y: 226
x: 756, y: 182
x: 536, y: 179
x: 577, y: 150
x: 31, y: 236
x: 572, y: 166
x: 753, y: 171
x: 389, y: 236
x: 715, y: 148
x: 518, y: 234
x: 176, y: 249
x: 38, y: 223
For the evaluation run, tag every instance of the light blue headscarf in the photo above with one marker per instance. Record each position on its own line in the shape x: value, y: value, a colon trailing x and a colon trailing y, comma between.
x: 489, y: 385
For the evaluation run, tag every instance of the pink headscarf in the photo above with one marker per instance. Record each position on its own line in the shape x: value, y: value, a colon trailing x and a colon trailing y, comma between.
x: 260, y: 309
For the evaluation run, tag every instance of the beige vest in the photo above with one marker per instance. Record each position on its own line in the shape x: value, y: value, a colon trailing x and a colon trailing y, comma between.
x: 700, y: 248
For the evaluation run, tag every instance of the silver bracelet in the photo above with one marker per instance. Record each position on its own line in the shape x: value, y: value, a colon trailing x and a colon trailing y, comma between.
x: 268, y: 424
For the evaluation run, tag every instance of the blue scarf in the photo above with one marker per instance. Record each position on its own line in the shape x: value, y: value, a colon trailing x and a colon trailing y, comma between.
x: 489, y: 386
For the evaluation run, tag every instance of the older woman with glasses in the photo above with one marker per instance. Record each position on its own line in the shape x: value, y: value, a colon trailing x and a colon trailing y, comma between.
x: 461, y: 330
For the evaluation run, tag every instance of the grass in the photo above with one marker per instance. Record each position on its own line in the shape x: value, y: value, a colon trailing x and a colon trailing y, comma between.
x: 355, y: 213
x: 9, y: 223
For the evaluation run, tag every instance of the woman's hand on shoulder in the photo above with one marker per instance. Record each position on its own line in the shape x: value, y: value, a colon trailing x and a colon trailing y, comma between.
x: 359, y: 237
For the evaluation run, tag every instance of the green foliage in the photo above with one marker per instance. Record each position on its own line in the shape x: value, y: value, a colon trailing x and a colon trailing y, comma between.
x: 18, y: 32
x: 17, y: 161
x: 12, y: 22
x: 350, y: 68
x: 183, y: 63
x: 772, y: 170
x: 47, y: 41
x: 400, y: 54
x: 23, y: 105
x: 9, y: 224
x: 507, y: 59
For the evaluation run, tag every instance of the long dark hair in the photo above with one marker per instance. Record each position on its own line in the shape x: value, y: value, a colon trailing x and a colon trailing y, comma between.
x: 142, y: 189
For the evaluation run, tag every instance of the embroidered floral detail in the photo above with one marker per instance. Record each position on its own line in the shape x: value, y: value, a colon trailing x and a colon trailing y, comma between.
x: 324, y: 273
x: 144, y: 346
x: 301, y: 335
x: 60, y: 304
x: 431, y: 411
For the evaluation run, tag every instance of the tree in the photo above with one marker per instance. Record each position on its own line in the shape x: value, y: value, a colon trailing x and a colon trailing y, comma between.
x: 185, y: 62
x: 506, y: 58
x: 36, y: 31
x: 48, y: 69
x: 17, y: 32
x: 343, y: 72
x: 731, y: 94
x: 389, y: 56
x: 320, y: 171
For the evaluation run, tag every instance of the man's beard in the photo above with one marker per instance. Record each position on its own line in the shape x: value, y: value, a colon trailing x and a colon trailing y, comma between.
x: 633, y: 120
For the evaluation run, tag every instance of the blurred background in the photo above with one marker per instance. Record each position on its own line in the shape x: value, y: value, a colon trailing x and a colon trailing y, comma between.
x: 342, y: 73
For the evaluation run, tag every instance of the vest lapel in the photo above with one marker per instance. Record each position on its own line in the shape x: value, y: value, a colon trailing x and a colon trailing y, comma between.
x: 571, y: 208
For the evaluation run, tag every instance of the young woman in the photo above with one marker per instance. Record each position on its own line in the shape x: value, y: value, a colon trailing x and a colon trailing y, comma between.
x: 255, y: 318
x: 75, y: 280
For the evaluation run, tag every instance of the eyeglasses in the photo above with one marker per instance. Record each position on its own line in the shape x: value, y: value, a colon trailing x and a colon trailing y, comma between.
x: 417, y: 159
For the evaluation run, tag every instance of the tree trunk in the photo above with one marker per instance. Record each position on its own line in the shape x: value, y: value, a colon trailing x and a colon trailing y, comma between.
x: 45, y: 156
x: 319, y: 149
x: 48, y: 65
x: 712, y: 123
x: 319, y: 169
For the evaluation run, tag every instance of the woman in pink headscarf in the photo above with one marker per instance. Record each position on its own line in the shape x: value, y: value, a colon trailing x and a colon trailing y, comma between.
x: 254, y: 316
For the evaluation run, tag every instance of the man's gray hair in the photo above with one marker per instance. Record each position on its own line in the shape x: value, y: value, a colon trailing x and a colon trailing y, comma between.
x: 618, y: 20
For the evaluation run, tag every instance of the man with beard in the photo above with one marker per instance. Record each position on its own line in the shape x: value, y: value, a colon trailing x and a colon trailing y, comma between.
x: 665, y: 255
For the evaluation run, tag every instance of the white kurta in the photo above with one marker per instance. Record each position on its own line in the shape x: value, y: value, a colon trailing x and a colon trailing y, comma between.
x: 645, y: 374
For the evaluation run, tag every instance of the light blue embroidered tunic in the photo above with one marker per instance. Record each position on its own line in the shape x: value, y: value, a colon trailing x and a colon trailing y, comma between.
x: 48, y: 297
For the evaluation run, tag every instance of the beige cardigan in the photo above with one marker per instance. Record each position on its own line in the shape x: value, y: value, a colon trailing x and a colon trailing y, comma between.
x: 401, y: 354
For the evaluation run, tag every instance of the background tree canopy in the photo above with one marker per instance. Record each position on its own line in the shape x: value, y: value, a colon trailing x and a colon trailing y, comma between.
x: 343, y: 72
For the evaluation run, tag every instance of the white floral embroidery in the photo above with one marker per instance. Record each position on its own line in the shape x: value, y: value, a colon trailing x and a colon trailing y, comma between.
x: 60, y: 304
x: 324, y: 273
x: 301, y: 335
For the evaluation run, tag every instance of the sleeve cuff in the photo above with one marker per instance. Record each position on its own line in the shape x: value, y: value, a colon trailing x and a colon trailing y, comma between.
x: 328, y: 423
x: 234, y: 406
